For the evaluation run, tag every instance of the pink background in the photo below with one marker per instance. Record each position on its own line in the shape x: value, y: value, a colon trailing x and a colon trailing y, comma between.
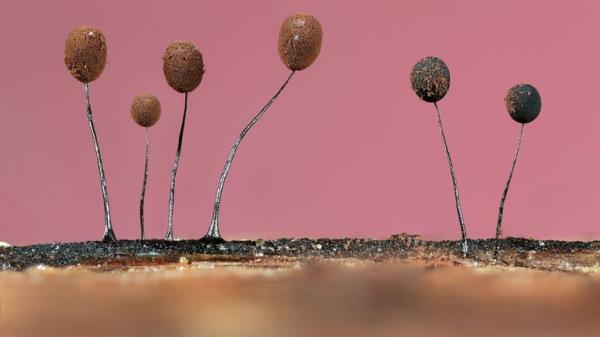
x: 347, y: 150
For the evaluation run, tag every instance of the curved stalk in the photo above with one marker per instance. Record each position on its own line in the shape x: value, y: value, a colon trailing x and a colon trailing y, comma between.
x: 143, y: 195
x: 503, y: 199
x: 169, y: 235
x: 109, y: 234
x: 463, y: 230
x: 213, y: 231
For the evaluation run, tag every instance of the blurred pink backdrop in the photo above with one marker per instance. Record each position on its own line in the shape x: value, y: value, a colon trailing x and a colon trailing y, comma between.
x: 347, y: 150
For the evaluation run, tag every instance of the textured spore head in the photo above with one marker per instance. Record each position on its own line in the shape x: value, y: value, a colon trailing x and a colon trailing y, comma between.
x: 145, y: 110
x: 85, y: 53
x: 299, y: 42
x: 183, y: 66
x: 523, y: 103
x: 430, y: 79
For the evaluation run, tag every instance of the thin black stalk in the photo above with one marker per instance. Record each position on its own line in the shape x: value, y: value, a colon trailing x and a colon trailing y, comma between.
x: 109, y: 234
x: 169, y: 235
x: 461, y: 220
x: 505, y: 192
x: 213, y: 231
x: 143, y: 195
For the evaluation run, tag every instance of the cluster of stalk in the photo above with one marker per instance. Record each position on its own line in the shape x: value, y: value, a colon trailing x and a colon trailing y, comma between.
x: 430, y: 79
x: 299, y: 45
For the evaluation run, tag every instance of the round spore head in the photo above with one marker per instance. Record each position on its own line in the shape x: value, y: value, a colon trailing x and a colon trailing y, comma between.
x: 85, y: 53
x: 430, y: 79
x: 145, y: 110
x: 523, y: 103
x: 183, y: 66
x: 299, y: 42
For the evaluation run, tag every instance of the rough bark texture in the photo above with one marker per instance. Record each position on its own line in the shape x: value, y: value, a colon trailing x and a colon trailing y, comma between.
x: 528, y: 253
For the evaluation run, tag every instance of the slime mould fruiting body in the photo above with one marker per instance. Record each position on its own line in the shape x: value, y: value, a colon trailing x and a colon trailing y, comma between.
x: 299, y: 45
x: 145, y: 111
x: 85, y: 53
x: 183, y: 68
x: 430, y: 80
x: 85, y: 58
x: 523, y: 103
x: 299, y: 41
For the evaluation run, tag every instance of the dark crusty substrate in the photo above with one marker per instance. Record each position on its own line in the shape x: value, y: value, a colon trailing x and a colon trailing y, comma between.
x: 519, y: 252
